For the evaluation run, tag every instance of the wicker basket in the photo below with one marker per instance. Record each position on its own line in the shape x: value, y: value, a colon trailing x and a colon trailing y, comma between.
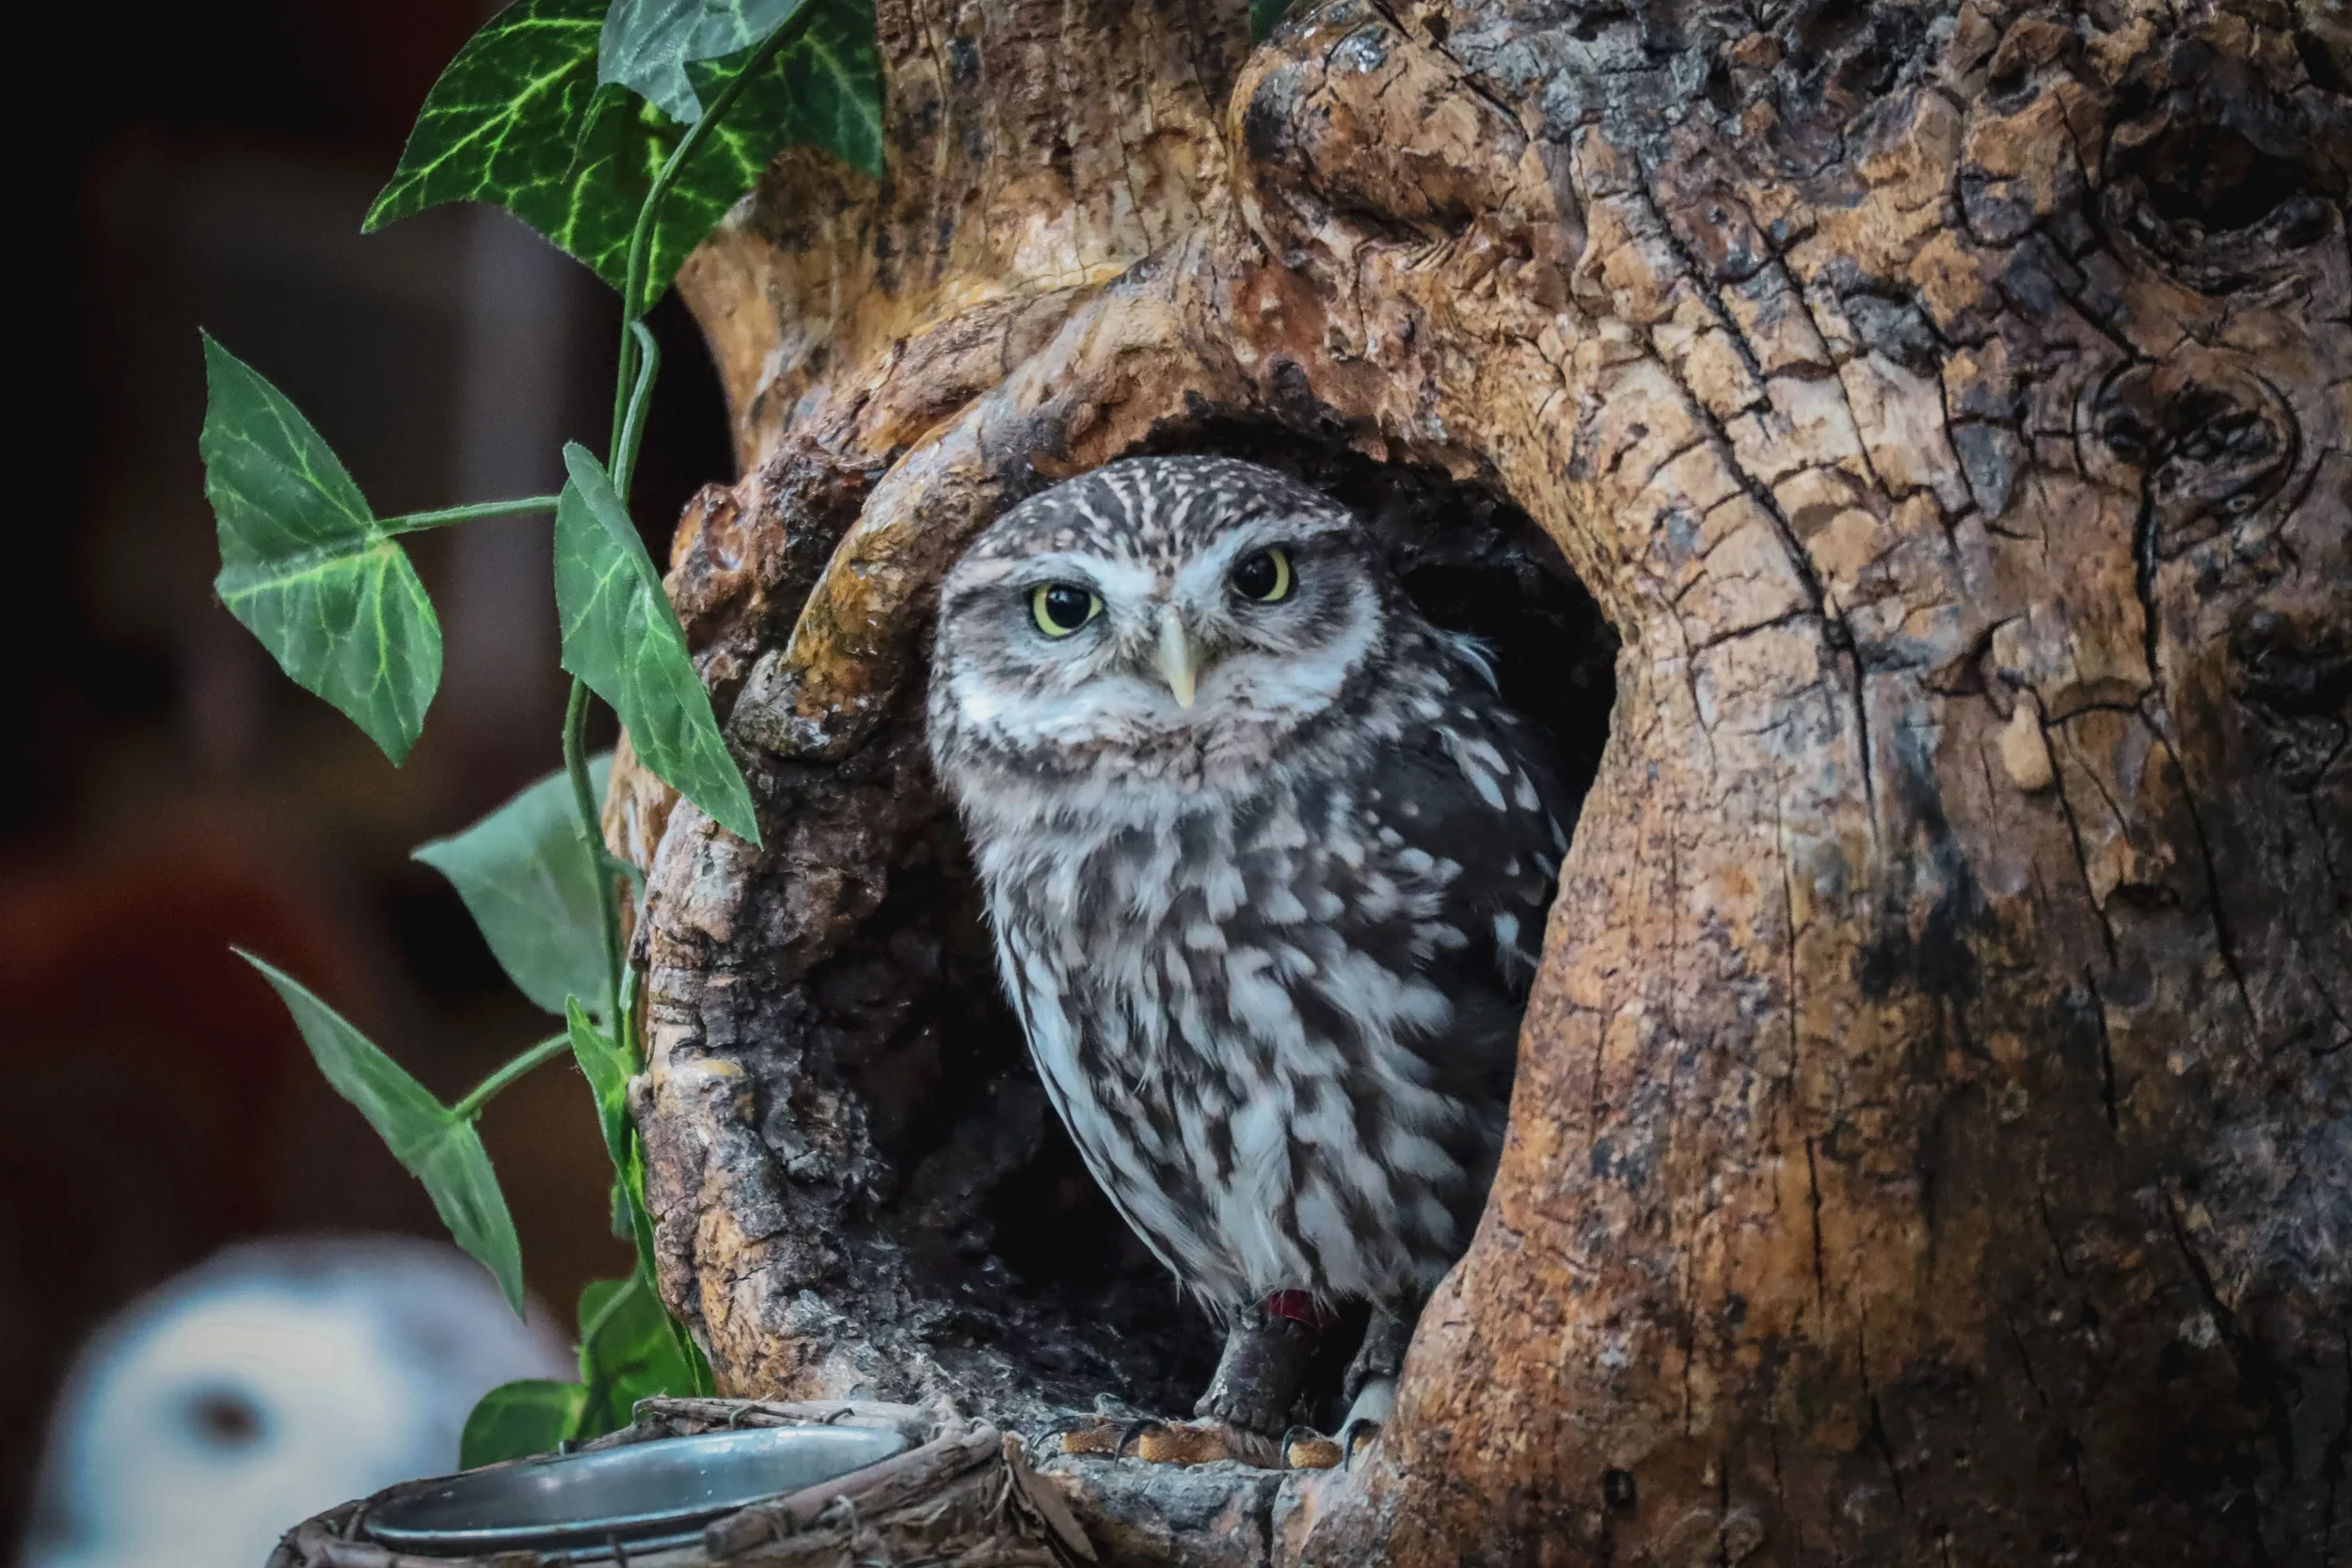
x: 961, y: 1494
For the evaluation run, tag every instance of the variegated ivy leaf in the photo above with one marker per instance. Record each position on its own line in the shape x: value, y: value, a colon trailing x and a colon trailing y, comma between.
x: 629, y: 1350
x: 533, y: 888
x: 621, y: 636
x: 518, y: 120
x: 307, y: 566
x: 647, y: 45
x: 439, y: 1148
x: 516, y: 1419
x: 607, y: 1067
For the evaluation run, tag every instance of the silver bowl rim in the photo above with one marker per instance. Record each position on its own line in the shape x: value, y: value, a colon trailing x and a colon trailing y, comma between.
x: 680, y: 1521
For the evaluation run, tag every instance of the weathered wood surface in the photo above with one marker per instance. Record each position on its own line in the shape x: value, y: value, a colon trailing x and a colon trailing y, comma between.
x: 1933, y: 1141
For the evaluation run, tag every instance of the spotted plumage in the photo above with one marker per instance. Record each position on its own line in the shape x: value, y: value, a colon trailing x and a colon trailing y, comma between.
x: 1266, y: 859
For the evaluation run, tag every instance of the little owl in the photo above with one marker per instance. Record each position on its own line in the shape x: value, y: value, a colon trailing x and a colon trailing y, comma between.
x: 1267, y: 860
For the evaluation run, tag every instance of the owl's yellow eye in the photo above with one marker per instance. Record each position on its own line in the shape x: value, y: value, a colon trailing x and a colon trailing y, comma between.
x: 1265, y: 577
x: 1061, y: 607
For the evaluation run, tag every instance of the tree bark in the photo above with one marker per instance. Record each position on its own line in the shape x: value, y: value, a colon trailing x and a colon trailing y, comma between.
x: 1933, y: 1135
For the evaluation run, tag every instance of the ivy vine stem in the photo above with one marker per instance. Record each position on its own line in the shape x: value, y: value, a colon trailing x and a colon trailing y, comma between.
x: 633, y: 301
x: 417, y: 522
x: 489, y: 1088
x: 632, y: 431
x: 632, y: 393
x: 592, y: 840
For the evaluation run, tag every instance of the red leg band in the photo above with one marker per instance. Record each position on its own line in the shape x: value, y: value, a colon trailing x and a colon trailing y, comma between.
x: 1299, y: 1307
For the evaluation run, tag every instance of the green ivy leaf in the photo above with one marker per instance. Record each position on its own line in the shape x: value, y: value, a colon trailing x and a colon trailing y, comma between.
x: 1263, y: 14
x: 647, y: 45
x: 622, y: 636
x: 499, y: 126
x: 533, y: 888
x: 518, y: 120
x: 826, y: 92
x: 306, y: 567
x: 629, y: 1350
x: 607, y: 1067
x: 625, y: 1209
x: 439, y: 1150
x: 516, y: 1419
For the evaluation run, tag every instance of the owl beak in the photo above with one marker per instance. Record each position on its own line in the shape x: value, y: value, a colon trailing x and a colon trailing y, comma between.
x: 1176, y: 657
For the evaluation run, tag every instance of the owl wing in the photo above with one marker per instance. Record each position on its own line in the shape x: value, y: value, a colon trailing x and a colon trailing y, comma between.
x: 1479, y: 791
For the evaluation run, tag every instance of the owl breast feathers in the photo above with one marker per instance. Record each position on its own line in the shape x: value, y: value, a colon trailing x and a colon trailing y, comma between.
x: 1267, y: 860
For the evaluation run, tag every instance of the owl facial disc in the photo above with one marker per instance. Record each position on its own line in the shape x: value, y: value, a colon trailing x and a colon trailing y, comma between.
x: 1159, y: 614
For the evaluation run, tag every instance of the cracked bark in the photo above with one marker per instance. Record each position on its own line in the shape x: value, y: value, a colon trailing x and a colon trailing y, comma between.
x: 1945, y: 406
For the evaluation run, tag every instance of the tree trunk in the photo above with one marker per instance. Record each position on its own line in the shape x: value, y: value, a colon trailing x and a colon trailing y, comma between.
x: 1933, y: 1142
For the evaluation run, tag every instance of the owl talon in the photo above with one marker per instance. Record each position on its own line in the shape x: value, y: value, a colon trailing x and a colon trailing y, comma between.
x: 1205, y: 1443
x: 1158, y: 1442
x: 1092, y: 1435
x: 1304, y: 1449
x: 1367, y: 1411
x: 1258, y: 1376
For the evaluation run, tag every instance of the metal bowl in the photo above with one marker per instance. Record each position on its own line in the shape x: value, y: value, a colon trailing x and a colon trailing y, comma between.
x: 644, y: 1495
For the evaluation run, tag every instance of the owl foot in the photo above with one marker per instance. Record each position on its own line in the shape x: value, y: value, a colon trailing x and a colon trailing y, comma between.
x: 1177, y: 1443
x: 1245, y: 1414
x: 1109, y: 1436
x: 1379, y: 1359
x: 1265, y: 1359
x: 1370, y: 1383
x: 1304, y: 1449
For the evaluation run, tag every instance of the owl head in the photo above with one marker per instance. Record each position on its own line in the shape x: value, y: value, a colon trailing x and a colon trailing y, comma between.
x: 1184, y: 612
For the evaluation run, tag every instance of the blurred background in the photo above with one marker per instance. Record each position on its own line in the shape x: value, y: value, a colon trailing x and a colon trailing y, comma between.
x: 165, y: 792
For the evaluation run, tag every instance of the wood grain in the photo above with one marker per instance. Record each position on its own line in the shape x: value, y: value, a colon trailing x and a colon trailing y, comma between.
x: 1931, y: 1138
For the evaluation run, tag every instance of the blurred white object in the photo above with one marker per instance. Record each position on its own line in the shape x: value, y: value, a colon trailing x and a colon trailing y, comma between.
x: 268, y: 1383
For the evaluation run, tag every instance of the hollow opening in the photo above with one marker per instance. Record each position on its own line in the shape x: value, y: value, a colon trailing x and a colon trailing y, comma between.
x: 1029, y: 1287
x: 2209, y: 175
x: 2224, y: 181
